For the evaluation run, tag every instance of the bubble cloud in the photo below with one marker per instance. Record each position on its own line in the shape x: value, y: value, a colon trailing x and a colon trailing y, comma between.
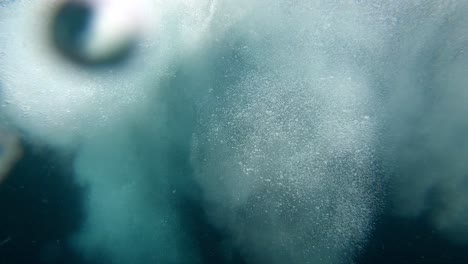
x: 287, y: 122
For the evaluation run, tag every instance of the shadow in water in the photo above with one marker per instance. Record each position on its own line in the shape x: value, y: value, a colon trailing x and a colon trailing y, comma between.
x: 40, y: 207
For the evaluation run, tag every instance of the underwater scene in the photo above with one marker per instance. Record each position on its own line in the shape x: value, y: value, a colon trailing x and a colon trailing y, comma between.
x: 233, y: 132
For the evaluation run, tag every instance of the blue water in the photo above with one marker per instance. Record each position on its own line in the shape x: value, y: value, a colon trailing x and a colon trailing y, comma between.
x: 235, y: 132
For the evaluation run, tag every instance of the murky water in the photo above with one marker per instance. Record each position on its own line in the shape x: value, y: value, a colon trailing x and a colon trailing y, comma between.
x: 209, y: 131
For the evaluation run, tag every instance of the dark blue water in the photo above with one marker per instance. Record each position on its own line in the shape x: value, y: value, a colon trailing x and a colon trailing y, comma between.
x: 42, y: 207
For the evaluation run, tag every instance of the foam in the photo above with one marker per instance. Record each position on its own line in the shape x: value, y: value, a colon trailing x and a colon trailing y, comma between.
x: 283, y: 108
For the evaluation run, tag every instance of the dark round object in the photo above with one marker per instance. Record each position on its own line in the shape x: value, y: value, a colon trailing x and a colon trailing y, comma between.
x: 70, y: 27
x: 71, y: 34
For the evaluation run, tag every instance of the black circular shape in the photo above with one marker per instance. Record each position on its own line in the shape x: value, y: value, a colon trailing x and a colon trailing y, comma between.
x: 71, y: 27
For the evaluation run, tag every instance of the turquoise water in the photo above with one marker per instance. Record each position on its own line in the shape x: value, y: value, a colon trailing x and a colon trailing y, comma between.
x: 235, y: 132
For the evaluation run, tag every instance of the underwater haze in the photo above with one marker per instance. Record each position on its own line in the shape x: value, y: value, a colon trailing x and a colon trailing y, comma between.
x: 234, y: 131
